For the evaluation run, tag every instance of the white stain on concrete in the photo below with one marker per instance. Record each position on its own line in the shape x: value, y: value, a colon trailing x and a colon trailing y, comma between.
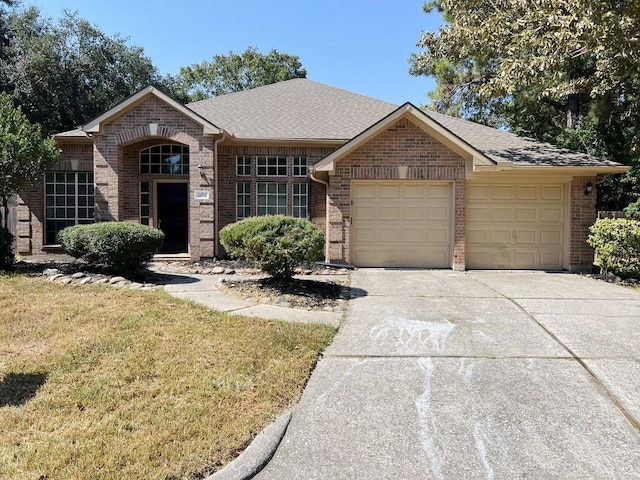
x: 487, y: 440
x: 407, y: 333
x: 466, y: 370
x: 477, y: 320
x: 436, y: 334
x: 428, y: 425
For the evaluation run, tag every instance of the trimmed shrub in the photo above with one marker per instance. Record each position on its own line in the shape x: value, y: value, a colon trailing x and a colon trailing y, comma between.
x: 7, y: 257
x: 617, y: 243
x: 276, y: 244
x: 632, y: 211
x: 119, y: 246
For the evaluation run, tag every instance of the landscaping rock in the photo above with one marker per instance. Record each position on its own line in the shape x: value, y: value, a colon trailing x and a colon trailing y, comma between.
x: 50, y: 271
x: 217, y: 270
x: 77, y: 275
x: 116, y: 280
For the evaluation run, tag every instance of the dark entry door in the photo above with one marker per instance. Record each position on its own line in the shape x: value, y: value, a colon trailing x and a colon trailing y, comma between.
x: 172, y: 200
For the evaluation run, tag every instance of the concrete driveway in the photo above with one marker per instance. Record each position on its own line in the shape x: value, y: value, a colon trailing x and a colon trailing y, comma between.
x: 450, y: 375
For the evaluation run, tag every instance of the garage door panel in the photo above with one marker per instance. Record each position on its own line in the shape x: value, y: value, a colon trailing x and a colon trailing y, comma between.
x: 389, y: 191
x: 551, y: 215
x: 526, y: 237
x: 501, y: 214
x: 478, y: 214
x: 413, y: 235
x: 527, y: 192
x: 440, y: 214
x: 553, y: 193
x: 364, y: 213
x: 501, y: 192
x: 407, y: 223
x: 388, y: 213
x: 415, y: 214
x: 438, y: 192
x: 551, y: 238
x: 524, y: 226
x: 362, y: 234
x: 527, y: 214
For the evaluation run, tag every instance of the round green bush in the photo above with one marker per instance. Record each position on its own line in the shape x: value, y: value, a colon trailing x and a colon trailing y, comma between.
x: 276, y: 244
x: 617, y: 243
x: 119, y: 246
x: 7, y: 257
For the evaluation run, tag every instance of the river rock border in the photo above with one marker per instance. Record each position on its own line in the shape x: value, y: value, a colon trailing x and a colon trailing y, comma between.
x: 83, y: 278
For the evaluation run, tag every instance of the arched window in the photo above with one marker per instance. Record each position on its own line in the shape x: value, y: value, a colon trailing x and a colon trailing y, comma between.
x: 165, y: 159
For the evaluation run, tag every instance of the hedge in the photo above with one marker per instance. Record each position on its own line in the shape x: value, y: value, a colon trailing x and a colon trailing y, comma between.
x: 276, y: 244
x: 119, y: 246
x: 617, y: 243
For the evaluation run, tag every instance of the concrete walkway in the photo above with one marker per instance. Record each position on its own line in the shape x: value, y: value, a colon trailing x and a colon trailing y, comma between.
x: 202, y: 289
x: 493, y: 375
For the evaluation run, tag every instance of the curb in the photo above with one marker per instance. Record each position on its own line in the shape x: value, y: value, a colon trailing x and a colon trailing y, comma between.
x: 257, y: 454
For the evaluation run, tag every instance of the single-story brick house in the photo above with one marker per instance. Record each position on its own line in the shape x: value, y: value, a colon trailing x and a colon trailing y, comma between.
x: 390, y: 185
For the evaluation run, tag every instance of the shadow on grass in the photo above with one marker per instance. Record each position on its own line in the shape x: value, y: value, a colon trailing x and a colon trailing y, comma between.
x: 18, y: 388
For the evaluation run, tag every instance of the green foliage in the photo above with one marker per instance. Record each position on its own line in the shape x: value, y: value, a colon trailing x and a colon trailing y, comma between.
x: 120, y: 246
x: 234, y: 73
x: 7, y: 256
x: 277, y: 244
x: 617, y: 243
x: 24, y: 155
x: 632, y: 211
x: 562, y: 72
x: 65, y: 72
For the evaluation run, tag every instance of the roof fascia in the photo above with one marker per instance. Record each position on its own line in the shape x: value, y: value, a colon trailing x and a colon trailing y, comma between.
x: 426, y: 123
x: 553, y: 169
x: 96, y: 125
x: 229, y: 140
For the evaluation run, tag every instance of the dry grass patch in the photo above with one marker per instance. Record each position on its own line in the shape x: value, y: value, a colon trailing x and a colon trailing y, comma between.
x: 102, y: 383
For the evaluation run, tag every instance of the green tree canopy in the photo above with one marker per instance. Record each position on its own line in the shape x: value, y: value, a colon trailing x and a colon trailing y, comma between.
x: 24, y: 155
x: 236, y: 72
x: 64, y: 73
x: 564, y: 71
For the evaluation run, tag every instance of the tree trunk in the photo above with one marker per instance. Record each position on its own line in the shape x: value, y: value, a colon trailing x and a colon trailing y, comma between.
x: 572, y: 110
x: 5, y: 212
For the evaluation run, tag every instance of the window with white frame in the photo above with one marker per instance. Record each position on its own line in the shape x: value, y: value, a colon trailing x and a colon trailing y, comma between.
x: 165, y: 159
x: 300, y: 200
x: 300, y: 167
x: 69, y: 200
x: 271, y: 198
x: 243, y: 165
x: 243, y: 200
x: 271, y: 166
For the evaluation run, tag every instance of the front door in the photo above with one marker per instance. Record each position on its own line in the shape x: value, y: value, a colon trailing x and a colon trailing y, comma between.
x: 172, y: 201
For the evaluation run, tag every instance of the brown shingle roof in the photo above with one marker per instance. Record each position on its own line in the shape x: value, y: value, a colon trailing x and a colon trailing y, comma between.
x: 501, y: 146
x: 295, y: 109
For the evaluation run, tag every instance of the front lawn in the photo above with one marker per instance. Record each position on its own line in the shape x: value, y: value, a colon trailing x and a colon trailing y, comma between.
x: 101, y: 383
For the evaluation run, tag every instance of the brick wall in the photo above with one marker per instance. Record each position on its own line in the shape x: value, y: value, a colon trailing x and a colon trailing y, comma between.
x: 403, y: 144
x: 583, y: 215
x: 116, y: 157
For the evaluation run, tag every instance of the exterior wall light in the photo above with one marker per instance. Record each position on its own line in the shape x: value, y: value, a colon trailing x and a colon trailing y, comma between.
x: 201, y: 170
x: 588, y: 188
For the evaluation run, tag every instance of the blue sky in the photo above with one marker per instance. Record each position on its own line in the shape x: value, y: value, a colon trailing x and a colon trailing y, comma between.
x: 358, y: 45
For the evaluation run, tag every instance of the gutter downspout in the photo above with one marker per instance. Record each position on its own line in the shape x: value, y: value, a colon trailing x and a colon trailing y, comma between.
x: 326, y: 215
x: 216, y: 194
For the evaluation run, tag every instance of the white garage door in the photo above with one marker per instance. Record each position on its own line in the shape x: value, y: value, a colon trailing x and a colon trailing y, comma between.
x: 515, y: 226
x: 401, y: 224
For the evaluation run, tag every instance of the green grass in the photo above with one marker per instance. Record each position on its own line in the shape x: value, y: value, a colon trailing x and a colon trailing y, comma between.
x: 104, y: 383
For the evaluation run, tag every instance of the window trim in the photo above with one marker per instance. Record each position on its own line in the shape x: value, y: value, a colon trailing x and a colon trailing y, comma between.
x: 305, y: 166
x: 244, y: 195
x: 277, y: 166
x: 246, y: 165
x: 266, y: 195
x: 90, y: 207
x: 297, y: 208
x: 183, y: 165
